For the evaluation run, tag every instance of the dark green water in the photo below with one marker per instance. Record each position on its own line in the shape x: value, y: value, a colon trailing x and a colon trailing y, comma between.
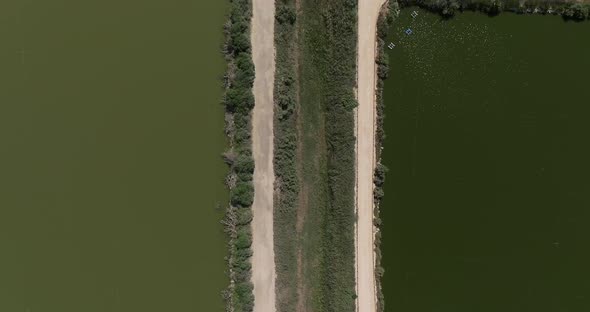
x: 487, y: 202
x: 110, y: 133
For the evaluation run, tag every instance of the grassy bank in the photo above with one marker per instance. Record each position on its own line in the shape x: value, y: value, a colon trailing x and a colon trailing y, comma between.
x: 337, y: 65
x: 314, y: 160
x: 286, y: 178
x: 285, y: 136
x: 239, y: 101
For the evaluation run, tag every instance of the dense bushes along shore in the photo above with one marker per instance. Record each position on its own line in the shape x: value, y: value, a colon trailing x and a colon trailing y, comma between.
x: 569, y: 10
x: 239, y: 101
x: 386, y: 18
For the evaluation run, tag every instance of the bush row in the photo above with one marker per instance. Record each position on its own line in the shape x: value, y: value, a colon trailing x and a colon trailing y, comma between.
x: 238, y: 101
x: 569, y: 10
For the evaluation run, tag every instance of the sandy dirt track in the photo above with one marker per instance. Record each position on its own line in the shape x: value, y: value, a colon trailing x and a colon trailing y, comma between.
x: 368, y: 11
x: 263, y: 260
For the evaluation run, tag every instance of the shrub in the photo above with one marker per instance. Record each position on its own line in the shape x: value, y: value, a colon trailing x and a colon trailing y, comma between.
x: 286, y: 15
x: 244, y: 240
x: 244, y: 71
x: 576, y: 11
x: 244, y: 167
x: 242, y: 195
x: 238, y: 100
x: 380, y: 172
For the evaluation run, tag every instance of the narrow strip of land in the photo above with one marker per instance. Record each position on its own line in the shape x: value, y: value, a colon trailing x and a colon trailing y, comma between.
x: 263, y: 264
x: 368, y: 12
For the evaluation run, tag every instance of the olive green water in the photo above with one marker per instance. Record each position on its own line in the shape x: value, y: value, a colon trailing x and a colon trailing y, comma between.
x: 487, y: 201
x: 111, y: 133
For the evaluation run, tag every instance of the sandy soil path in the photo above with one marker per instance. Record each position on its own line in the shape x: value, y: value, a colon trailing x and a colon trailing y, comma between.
x: 263, y: 258
x: 368, y: 11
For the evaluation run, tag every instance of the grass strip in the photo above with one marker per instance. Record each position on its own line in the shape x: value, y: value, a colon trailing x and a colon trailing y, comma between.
x: 314, y: 161
x: 285, y: 166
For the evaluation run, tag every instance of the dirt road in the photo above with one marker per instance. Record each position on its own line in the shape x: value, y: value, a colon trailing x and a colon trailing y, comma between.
x: 368, y: 11
x: 263, y: 263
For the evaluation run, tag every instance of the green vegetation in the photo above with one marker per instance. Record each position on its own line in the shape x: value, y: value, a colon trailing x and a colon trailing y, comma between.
x: 239, y: 101
x: 338, y: 63
x: 314, y: 154
x: 569, y: 10
x: 286, y: 141
x: 328, y: 75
